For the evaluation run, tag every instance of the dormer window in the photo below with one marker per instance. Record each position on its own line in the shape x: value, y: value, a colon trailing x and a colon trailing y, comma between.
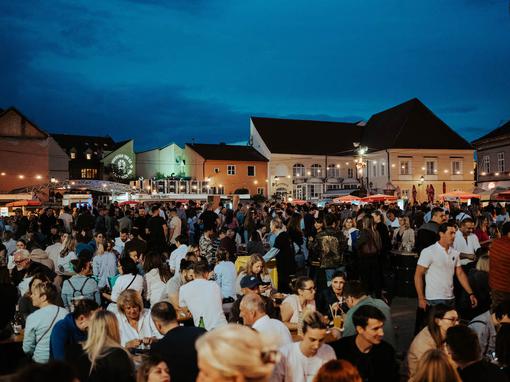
x: 88, y: 155
x: 73, y: 155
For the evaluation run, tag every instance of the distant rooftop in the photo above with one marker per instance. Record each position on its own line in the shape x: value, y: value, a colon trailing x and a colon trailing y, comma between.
x: 223, y: 151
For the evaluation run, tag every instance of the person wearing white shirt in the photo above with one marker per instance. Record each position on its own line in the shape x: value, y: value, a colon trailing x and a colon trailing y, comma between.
x: 252, y: 311
x: 203, y: 298
x: 135, y: 322
x: 300, y: 361
x: 174, y: 225
x: 54, y: 250
x: 128, y: 279
x: 437, y: 265
x: 157, y: 273
x: 225, y: 272
x: 120, y: 242
x: 466, y: 242
x: 67, y: 218
x: 36, y: 340
x: 178, y: 254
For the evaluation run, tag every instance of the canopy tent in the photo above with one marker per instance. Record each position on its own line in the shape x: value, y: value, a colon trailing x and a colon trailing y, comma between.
x: 458, y: 195
x: 297, y: 202
x: 128, y: 202
x: 504, y: 195
x: 24, y: 203
x: 346, y: 199
x: 378, y: 198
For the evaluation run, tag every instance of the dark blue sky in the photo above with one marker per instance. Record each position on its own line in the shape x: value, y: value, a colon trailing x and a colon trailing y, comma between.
x: 162, y: 71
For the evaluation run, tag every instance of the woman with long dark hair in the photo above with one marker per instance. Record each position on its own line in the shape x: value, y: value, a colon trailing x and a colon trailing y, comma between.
x: 157, y: 273
x: 369, y: 252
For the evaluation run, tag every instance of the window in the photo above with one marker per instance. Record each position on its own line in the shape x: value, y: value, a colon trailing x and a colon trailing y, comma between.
x: 486, y: 164
x: 73, y: 155
x: 456, y: 167
x: 350, y: 173
x: 383, y: 169
x: 231, y: 169
x: 374, y: 169
x: 216, y: 170
x: 89, y: 156
x: 315, y: 190
x: 298, y: 170
x: 251, y: 170
x: 501, y: 161
x: 405, y: 168
x: 431, y: 167
x: 260, y: 190
x: 89, y: 173
x: 333, y: 171
x: 221, y: 190
x: 298, y: 192
x: 316, y: 169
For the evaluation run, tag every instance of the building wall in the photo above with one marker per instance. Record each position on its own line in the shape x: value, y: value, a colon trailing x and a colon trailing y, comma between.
x: 24, y: 153
x: 464, y: 181
x: 194, y: 166
x: 123, y: 161
x: 167, y: 161
x: 58, y: 161
x: 216, y: 171
x: 496, y: 177
x: 281, y: 174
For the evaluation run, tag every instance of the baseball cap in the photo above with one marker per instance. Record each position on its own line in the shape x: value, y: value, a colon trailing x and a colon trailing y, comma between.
x: 249, y: 282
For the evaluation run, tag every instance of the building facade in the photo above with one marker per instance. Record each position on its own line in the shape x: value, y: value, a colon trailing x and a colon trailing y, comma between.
x: 408, y: 145
x: 307, y: 159
x: 403, y: 147
x: 89, y: 157
x: 167, y: 161
x: 492, y: 151
x: 28, y: 155
x: 227, y: 169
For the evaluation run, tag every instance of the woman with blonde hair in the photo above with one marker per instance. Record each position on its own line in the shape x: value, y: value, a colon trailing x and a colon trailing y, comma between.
x: 248, y: 360
x: 403, y: 238
x: 104, y: 359
x: 255, y: 266
x: 67, y: 254
x: 434, y: 366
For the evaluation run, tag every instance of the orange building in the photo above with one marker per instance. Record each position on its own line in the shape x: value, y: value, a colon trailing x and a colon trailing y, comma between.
x: 227, y: 168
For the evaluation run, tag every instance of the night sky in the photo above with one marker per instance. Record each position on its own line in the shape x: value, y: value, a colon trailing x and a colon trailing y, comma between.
x: 162, y: 71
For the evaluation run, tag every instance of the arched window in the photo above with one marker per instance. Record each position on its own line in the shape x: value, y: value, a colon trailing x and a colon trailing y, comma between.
x: 298, y: 170
x: 333, y: 171
x: 316, y: 170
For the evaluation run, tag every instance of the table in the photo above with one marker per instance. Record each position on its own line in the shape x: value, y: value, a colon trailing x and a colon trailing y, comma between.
x: 270, y: 265
x: 12, y: 356
x: 403, y: 264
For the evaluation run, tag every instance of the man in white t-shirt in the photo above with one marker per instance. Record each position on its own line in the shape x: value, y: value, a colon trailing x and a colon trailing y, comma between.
x: 438, y: 264
x: 253, y: 314
x: 302, y: 360
x: 466, y: 242
x: 178, y: 254
x: 202, y: 298
x: 175, y: 225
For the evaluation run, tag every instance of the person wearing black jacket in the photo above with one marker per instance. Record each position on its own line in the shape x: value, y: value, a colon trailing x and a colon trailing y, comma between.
x: 177, y: 347
x: 332, y: 296
x: 428, y: 233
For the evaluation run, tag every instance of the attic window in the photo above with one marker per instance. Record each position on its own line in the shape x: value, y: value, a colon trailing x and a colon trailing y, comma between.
x: 105, y: 144
x: 88, y: 155
x: 73, y: 155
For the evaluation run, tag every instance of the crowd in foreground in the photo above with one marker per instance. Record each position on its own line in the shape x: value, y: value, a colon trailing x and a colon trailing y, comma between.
x: 271, y: 292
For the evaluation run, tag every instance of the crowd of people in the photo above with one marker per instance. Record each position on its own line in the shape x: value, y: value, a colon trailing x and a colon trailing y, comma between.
x: 257, y: 292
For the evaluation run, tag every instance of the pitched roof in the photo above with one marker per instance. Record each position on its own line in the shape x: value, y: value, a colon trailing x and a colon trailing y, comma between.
x: 23, y: 117
x: 293, y: 136
x: 410, y: 125
x: 227, y: 152
x: 84, y: 142
x: 503, y: 130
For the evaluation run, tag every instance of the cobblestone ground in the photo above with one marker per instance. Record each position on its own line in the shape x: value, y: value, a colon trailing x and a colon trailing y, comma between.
x: 403, y: 312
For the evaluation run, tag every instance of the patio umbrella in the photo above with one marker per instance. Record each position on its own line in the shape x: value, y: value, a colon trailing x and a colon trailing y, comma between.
x: 458, y: 195
x: 128, y: 202
x: 414, y: 192
x: 346, y: 199
x: 378, y: 198
x: 297, y: 202
x: 23, y: 203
